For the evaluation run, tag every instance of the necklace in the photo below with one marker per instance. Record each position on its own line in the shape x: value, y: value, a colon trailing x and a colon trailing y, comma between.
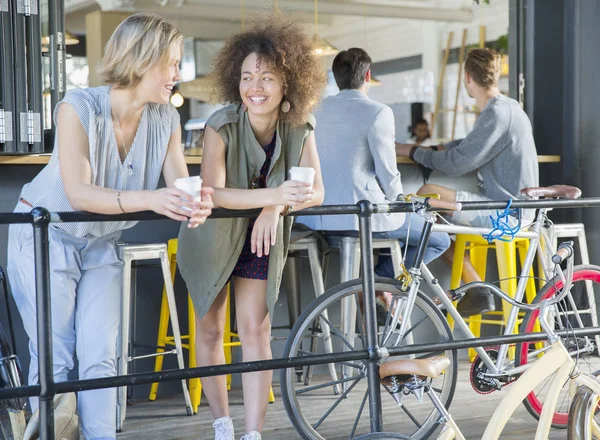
x: 130, y: 165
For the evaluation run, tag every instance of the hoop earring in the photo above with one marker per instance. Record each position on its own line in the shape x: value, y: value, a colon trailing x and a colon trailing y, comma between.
x: 244, y: 108
x: 285, y: 106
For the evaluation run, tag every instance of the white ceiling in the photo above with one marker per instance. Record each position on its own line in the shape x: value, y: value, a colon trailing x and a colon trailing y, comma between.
x: 218, y: 19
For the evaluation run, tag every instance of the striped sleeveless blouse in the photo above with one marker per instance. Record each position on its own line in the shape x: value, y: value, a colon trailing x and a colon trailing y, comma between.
x: 140, y: 170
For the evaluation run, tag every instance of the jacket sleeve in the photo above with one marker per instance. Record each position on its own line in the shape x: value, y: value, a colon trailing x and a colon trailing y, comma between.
x: 381, y: 138
x: 485, y: 141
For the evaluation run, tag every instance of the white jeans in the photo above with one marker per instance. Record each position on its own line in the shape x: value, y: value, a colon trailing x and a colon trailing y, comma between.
x: 85, y: 283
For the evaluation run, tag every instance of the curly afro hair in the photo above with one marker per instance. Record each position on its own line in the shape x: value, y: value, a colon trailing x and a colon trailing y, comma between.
x: 284, y: 44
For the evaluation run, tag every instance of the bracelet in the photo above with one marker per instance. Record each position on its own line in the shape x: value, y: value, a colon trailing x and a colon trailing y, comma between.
x: 119, y: 202
x: 286, y: 211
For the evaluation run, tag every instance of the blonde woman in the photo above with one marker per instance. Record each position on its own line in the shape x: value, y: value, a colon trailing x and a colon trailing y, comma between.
x: 112, y: 144
x: 272, y: 80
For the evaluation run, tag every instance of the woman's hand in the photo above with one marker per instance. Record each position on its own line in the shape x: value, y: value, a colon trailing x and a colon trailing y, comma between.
x: 293, y: 192
x: 265, y: 230
x: 201, y: 210
x: 179, y: 205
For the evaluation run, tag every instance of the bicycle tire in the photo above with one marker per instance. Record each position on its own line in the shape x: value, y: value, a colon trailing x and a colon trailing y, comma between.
x: 532, y: 402
x: 381, y: 436
x: 423, y: 305
x: 584, y: 404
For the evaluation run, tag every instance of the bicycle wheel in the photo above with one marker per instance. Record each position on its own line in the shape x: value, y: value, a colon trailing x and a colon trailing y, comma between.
x: 316, y: 411
x: 573, y: 312
x: 583, y: 423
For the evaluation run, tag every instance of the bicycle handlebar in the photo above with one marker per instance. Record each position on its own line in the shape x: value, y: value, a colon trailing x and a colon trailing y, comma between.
x: 565, y: 250
x: 521, y: 305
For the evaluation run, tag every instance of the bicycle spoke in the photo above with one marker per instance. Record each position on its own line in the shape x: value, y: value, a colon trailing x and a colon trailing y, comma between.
x: 357, y: 419
x: 410, y: 416
x: 336, y: 403
x: 328, y: 384
x: 336, y: 332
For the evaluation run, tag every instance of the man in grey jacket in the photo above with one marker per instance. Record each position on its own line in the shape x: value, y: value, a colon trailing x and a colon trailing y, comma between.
x: 500, y: 147
x: 355, y: 139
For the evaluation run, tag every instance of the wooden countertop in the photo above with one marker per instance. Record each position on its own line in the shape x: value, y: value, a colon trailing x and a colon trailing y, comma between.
x: 193, y: 156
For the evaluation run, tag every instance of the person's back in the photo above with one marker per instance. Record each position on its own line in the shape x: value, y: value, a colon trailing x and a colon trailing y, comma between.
x: 355, y: 140
x: 515, y: 166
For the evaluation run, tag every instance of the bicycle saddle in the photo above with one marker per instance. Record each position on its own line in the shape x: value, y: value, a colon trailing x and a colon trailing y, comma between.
x: 553, y: 192
x: 429, y: 367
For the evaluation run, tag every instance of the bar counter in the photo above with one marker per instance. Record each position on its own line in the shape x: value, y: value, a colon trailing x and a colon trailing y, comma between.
x: 193, y: 156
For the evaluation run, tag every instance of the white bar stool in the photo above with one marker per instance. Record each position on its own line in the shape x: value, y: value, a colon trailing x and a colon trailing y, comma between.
x: 311, y: 246
x: 577, y: 231
x: 136, y: 252
x: 350, y: 261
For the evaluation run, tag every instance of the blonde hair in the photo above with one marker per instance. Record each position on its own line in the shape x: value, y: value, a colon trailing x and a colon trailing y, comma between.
x: 484, y: 66
x: 141, y: 42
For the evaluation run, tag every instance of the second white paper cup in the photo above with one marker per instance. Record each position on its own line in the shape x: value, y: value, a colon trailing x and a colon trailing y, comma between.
x: 191, y: 185
x: 303, y: 174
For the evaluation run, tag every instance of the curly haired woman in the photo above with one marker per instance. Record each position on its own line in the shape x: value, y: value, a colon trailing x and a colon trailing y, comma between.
x: 271, y: 80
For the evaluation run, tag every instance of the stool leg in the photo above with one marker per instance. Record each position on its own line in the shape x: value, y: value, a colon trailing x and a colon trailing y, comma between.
x: 319, y: 286
x: 530, y: 291
x: 195, y: 384
x: 507, y: 271
x: 396, y: 254
x: 123, y: 342
x: 175, y: 325
x: 478, y: 257
x: 163, y: 326
x: 585, y: 259
x: 457, y: 268
x: 348, y: 259
x: 291, y: 280
x: 227, y: 334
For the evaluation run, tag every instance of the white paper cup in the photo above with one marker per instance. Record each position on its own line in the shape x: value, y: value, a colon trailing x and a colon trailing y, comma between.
x: 303, y: 174
x: 191, y: 185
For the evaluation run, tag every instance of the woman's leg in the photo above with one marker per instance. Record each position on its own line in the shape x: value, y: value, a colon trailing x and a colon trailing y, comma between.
x: 209, y: 351
x: 254, y: 327
x: 97, y: 320
x: 64, y: 274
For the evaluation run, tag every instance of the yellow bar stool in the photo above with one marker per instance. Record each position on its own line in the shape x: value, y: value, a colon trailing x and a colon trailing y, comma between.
x: 506, y: 256
x: 230, y: 339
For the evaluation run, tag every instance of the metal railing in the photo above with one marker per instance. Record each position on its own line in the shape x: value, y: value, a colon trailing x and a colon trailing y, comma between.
x: 41, y: 219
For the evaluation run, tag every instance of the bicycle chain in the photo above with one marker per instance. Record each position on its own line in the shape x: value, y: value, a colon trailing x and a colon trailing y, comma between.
x: 483, y: 384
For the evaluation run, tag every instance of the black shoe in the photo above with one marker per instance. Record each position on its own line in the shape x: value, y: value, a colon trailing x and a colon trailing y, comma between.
x: 476, y: 301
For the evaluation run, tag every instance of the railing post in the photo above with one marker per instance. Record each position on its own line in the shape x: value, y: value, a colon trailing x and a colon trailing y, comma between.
x: 368, y: 279
x: 41, y: 220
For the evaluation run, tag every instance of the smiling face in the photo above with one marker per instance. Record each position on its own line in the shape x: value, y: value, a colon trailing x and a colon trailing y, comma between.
x: 158, y: 82
x: 261, y: 89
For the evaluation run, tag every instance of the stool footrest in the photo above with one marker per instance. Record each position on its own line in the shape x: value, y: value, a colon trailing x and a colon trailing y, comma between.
x: 151, y: 355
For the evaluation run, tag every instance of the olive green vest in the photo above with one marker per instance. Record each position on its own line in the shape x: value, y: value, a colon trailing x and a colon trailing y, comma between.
x: 208, y: 254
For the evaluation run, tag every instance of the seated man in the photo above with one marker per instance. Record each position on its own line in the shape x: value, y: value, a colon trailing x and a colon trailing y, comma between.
x: 355, y: 139
x: 500, y: 147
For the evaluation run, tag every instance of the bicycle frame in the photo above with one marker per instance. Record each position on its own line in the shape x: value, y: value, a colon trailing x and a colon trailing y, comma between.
x: 556, y: 360
x: 497, y: 367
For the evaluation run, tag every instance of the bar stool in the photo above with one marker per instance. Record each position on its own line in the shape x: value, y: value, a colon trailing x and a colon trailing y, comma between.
x: 577, y: 230
x: 230, y: 338
x: 306, y: 241
x: 506, y: 256
x: 348, y: 244
x: 136, y: 252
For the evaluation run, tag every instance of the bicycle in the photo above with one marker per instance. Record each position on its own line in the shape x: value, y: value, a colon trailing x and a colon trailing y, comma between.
x: 330, y: 322
x: 404, y: 377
